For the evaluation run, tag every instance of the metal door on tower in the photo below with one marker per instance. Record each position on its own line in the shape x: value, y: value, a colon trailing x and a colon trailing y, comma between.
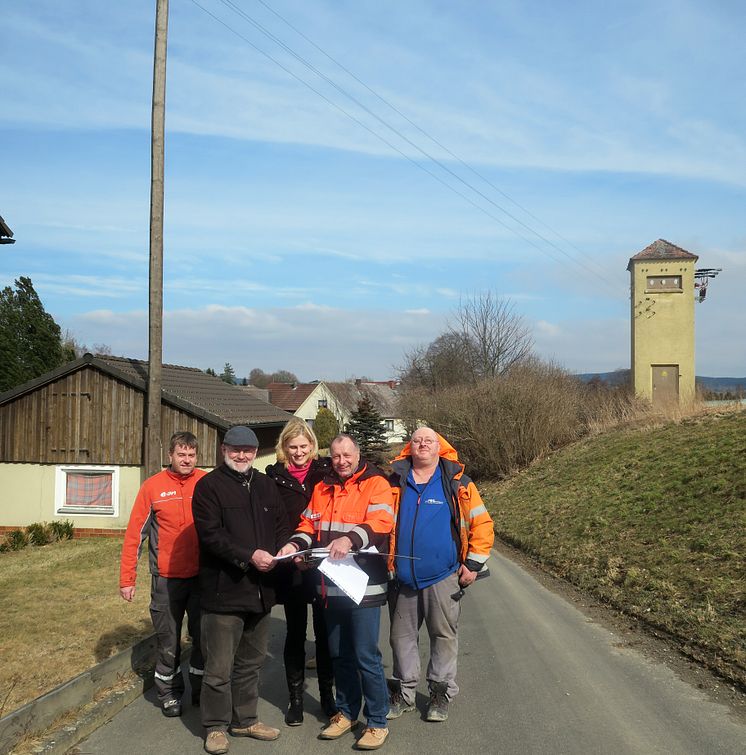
x: 665, y: 383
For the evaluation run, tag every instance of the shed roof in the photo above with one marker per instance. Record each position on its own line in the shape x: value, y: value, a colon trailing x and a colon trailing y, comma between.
x: 187, y: 388
x: 662, y: 250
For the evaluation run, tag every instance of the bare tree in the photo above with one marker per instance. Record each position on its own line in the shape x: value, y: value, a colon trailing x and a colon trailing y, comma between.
x: 485, y: 339
x: 259, y: 378
x: 493, y: 336
x: 440, y: 365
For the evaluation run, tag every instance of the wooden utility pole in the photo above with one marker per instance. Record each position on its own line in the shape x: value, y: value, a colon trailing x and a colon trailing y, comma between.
x: 153, y: 449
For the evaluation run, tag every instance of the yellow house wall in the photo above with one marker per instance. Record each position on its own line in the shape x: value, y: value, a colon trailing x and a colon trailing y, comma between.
x: 28, y: 496
x: 663, y: 327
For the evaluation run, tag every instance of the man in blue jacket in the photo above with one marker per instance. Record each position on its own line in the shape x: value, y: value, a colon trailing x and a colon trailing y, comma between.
x: 442, y: 540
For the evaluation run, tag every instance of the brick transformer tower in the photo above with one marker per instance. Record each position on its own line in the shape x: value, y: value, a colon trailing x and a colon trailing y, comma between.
x: 662, y: 301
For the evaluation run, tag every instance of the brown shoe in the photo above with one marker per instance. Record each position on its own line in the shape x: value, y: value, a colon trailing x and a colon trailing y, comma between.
x: 216, y: 742
x: 256, y: 731
x: 372, y: 739
x: 338, y: 725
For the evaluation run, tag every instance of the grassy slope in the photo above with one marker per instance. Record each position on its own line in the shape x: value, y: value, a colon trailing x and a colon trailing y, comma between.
x: 652, y: 521
x: 60, y: 614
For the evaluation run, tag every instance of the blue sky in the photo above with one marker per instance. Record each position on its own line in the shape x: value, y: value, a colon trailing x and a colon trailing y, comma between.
x: 295, y: 238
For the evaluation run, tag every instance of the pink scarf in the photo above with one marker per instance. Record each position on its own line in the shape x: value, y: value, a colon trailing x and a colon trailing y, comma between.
x: 299, y: 473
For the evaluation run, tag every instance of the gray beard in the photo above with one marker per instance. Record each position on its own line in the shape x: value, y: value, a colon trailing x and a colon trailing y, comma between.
x: 232, y: 465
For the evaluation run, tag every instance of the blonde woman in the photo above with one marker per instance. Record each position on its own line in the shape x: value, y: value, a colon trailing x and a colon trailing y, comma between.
x: 296, y: 472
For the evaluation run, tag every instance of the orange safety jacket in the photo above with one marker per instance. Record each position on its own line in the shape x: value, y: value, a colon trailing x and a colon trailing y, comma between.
x: 361, y: 507
x: 470, y: 517
x: 162, y: 513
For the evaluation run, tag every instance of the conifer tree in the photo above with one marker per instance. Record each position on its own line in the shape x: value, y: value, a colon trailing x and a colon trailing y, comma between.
x: 228, y: 375
x: 368, y: 429
x: 325, y: 426
x: 30, y: 339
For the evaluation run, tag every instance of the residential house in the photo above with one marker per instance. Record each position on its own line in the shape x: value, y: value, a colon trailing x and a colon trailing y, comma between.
x: 72, y: 440
x: 383, y: 396
x: 304, y: 399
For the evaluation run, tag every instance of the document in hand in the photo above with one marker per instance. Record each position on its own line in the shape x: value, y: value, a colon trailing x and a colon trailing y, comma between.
x: 347, y: 575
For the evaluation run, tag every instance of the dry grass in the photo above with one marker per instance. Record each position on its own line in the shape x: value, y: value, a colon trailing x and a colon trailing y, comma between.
x: 60, y: 614
x: 652, y: 521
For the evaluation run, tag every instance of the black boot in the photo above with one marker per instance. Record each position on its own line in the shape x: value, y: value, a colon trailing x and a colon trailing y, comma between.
x: 294, y: 716
x: 326, y: 697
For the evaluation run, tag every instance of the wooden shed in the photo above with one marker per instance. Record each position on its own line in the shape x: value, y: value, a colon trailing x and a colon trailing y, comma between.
x: 72, y: 441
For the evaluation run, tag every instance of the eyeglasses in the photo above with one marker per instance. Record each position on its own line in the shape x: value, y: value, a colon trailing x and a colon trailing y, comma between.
x: 424, y: 442
x: 238, y: 450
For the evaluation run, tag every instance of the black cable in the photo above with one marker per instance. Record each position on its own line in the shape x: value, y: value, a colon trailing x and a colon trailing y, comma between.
x: 229, y: 4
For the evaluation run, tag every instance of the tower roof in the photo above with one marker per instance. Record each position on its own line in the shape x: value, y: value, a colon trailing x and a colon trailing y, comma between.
x: 662, y: 250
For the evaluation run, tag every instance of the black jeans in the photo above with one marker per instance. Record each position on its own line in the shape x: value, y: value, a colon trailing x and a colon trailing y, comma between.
x: 294, y: 652
x: 170, y: 599
x: 234, y: 645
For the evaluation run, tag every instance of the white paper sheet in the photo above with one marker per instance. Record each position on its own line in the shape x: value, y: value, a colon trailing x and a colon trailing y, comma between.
x: 346, y: 575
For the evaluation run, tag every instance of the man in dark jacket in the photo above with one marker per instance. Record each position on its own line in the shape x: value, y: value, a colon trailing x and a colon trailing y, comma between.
x: 241, y: 523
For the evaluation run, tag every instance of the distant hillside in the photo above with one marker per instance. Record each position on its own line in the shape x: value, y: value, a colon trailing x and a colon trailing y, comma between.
x: 722, y: 384
x: 652, y: 521
x: 618, y: 377
x: 716, y: 384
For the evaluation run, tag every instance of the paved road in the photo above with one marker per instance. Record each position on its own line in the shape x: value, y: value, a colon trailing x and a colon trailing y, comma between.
x: 536, y: 676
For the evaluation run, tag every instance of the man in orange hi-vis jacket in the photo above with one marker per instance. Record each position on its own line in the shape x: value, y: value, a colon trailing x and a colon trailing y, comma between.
x: 442, y: 540
x: 162, y: 513
x: 350, y: 510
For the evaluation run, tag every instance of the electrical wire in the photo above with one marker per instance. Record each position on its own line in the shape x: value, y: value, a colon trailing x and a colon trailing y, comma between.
x: 232, y: 6
x: 425, y: 133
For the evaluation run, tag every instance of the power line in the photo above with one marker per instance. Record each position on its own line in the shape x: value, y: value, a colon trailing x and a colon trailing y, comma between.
x: 311, y: 67
x: 229, y: 4
x: 372, y: 132
x: 423, y: 131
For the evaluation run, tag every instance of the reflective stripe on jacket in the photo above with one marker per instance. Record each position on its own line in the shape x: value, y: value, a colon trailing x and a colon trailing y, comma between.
x: 361, y: 507
x: 471, y: 520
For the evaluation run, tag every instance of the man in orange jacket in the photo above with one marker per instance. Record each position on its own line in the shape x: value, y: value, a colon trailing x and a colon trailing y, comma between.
x: 162, y: 513
x: 352, y: 509
x: 442, y: 540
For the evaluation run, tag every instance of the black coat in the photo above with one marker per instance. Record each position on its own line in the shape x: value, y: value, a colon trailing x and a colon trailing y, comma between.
x: 295, y: 497
x: 235, y: 515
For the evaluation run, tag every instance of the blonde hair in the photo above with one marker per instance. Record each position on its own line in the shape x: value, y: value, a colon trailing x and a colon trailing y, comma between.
x: 295, y: 427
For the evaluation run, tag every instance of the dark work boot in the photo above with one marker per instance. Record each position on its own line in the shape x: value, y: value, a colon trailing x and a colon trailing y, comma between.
x: 326, y: 697
x: 294, y: 715
x: 397, y: 704
x: 437, y: 709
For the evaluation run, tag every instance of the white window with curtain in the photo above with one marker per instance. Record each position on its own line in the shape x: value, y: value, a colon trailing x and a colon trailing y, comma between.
x: 86, y: 490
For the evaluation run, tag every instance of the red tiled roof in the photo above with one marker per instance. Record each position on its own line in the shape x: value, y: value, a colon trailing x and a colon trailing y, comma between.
x: 662, y: 250
x: 290, y: 396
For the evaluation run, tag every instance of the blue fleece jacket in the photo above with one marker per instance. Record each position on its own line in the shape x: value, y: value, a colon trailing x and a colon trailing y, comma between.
x: 424, y: 530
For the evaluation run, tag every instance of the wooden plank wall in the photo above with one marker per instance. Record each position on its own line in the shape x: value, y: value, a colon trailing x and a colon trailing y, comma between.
x: 174, y: 420
x: 82, y: 418
x: 89, y: 417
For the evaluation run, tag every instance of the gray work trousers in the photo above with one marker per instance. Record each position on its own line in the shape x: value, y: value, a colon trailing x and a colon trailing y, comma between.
x: 170, y: 599
x: 435, y: 606
x: 234, y: 645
